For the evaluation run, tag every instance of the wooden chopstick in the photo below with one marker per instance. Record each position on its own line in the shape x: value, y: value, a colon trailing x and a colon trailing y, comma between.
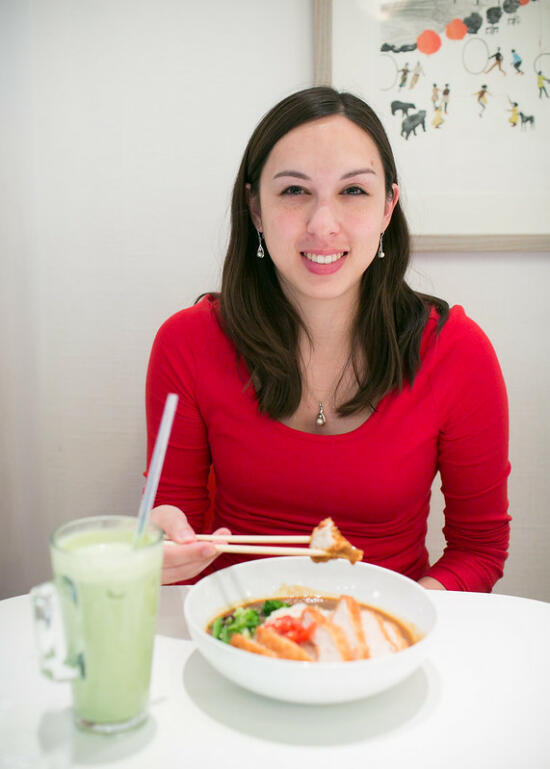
x: 261, y: 550
x: 257, y: 549
x: 295, y: 539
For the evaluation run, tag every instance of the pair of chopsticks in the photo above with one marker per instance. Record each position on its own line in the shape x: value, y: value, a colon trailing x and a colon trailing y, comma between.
x: 241, y: 543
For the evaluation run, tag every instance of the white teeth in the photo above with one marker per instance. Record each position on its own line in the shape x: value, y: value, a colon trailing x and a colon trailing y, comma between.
x: 320, y: 259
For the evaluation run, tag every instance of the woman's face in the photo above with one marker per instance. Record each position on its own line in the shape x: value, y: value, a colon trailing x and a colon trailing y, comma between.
x: 322, y: 206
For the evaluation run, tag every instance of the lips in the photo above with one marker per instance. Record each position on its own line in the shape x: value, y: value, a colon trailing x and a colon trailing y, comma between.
x: 323, y: 263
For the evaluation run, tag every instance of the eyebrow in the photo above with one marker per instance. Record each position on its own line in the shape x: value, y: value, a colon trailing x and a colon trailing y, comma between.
x: 300, y: 175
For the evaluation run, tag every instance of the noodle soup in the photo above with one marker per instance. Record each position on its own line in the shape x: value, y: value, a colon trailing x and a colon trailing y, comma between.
x: 232, y: 591
x: 313, y: 628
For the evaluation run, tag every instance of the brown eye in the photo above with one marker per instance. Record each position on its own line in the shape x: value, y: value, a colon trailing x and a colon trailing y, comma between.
x: 354, y: 191
x: 294, y: 189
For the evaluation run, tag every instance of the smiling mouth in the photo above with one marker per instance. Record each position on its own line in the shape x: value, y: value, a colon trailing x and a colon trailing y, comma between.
x: 323, y: 258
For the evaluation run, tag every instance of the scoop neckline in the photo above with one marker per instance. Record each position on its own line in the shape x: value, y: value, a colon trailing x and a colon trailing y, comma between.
x: 317, y: 437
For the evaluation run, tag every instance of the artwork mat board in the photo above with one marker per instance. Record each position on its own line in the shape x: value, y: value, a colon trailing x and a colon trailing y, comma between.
x: 450, y: 206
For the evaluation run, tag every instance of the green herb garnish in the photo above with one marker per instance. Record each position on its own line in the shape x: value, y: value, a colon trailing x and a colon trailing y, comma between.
x: 244, y: 621
x: 272, y: 604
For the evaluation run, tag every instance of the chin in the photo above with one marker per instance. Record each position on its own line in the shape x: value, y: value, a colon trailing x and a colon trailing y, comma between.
x: 332, y: 293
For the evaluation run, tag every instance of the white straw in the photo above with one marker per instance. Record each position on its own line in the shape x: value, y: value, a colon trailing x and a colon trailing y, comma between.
x: 157, y: 461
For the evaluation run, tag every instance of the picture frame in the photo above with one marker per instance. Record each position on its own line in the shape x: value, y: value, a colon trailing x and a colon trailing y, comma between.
x: 347, y: 53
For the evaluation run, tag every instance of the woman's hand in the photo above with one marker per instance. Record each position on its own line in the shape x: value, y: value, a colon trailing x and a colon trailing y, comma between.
x: 188, y: 557
x: 431, y: 584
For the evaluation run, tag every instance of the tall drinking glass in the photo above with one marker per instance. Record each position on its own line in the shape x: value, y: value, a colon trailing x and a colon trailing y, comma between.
x: 108, y: 593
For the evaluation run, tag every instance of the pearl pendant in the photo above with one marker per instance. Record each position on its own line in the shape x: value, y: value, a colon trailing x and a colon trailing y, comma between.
x: 321, y: 419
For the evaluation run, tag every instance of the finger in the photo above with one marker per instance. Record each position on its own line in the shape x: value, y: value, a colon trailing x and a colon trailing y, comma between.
x: 173, y: 522
x: 176, y: 556
x: 223, y: 532
x: 185, y: 561
x: 184, y: 571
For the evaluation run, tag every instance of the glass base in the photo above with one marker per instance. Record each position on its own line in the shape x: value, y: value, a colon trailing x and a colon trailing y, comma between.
x: 115, y: 727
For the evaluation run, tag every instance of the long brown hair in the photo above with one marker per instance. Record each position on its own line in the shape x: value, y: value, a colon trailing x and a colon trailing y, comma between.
x: 263, y: 324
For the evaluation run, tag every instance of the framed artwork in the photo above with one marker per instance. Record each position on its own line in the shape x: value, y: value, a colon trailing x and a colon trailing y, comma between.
x: 463, y: 90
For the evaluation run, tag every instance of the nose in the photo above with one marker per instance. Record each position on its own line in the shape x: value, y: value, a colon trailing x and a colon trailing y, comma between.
x: 322, y: 220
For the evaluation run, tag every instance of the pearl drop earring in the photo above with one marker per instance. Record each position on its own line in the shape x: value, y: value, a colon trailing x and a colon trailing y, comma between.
x: 260, y: 253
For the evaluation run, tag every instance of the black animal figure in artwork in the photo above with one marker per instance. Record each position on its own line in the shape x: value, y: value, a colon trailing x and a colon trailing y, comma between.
x: 404, y: 106
x: 412, y: 122
x: 527, y: 119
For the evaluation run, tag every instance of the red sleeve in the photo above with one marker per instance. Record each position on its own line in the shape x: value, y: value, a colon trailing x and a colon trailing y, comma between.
x: 470, y: 399
x: 173, y: 368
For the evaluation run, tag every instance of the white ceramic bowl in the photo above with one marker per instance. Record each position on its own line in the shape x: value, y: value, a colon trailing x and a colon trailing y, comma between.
x: 309, y: 682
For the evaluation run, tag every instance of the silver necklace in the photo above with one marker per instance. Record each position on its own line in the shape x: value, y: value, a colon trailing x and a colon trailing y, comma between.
x: 321, y: 419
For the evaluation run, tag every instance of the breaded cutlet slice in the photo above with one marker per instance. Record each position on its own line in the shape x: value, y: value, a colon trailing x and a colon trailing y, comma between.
x: 328, y: 537
x: 249, y: 645
x: 347, y: 615
x: 378, y: 638
x: 328, y: 638
x: 395, y: 634
x: 283, y: 647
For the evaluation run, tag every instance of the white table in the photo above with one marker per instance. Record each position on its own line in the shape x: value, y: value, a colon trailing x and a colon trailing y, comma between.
x: 480, y: 702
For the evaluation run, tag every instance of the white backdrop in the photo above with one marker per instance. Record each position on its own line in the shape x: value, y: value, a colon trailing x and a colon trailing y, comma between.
x: 124, y: 124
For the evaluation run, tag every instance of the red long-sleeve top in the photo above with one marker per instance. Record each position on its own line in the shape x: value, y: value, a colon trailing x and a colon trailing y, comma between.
x: 373, y: 481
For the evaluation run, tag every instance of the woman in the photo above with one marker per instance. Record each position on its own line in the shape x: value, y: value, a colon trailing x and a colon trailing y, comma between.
x: 482, y: 98
x: 437, y: 118
x: 514, y: 117
x: 318, y: 383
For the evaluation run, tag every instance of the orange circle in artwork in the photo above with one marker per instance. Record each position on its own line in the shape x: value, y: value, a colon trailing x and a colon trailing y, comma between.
x: 523, y: 2
x: 428, y: 42
x: 456, y: 29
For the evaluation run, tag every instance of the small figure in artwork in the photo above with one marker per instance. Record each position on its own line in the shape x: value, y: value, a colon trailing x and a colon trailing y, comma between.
x: 482, y: 98
x: 497, y: 56
x: 514, y: 117
x: 404, y: 75
x: 541, y: 80
x: 435, y: 95
x: 437, y: 118
x: 417, y: 71
x: 445, y: 95
x: 516, y: 62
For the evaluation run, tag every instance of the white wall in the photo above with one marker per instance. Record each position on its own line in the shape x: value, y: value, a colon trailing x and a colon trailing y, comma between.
x: 507, y: 294
x: 127, y: 121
